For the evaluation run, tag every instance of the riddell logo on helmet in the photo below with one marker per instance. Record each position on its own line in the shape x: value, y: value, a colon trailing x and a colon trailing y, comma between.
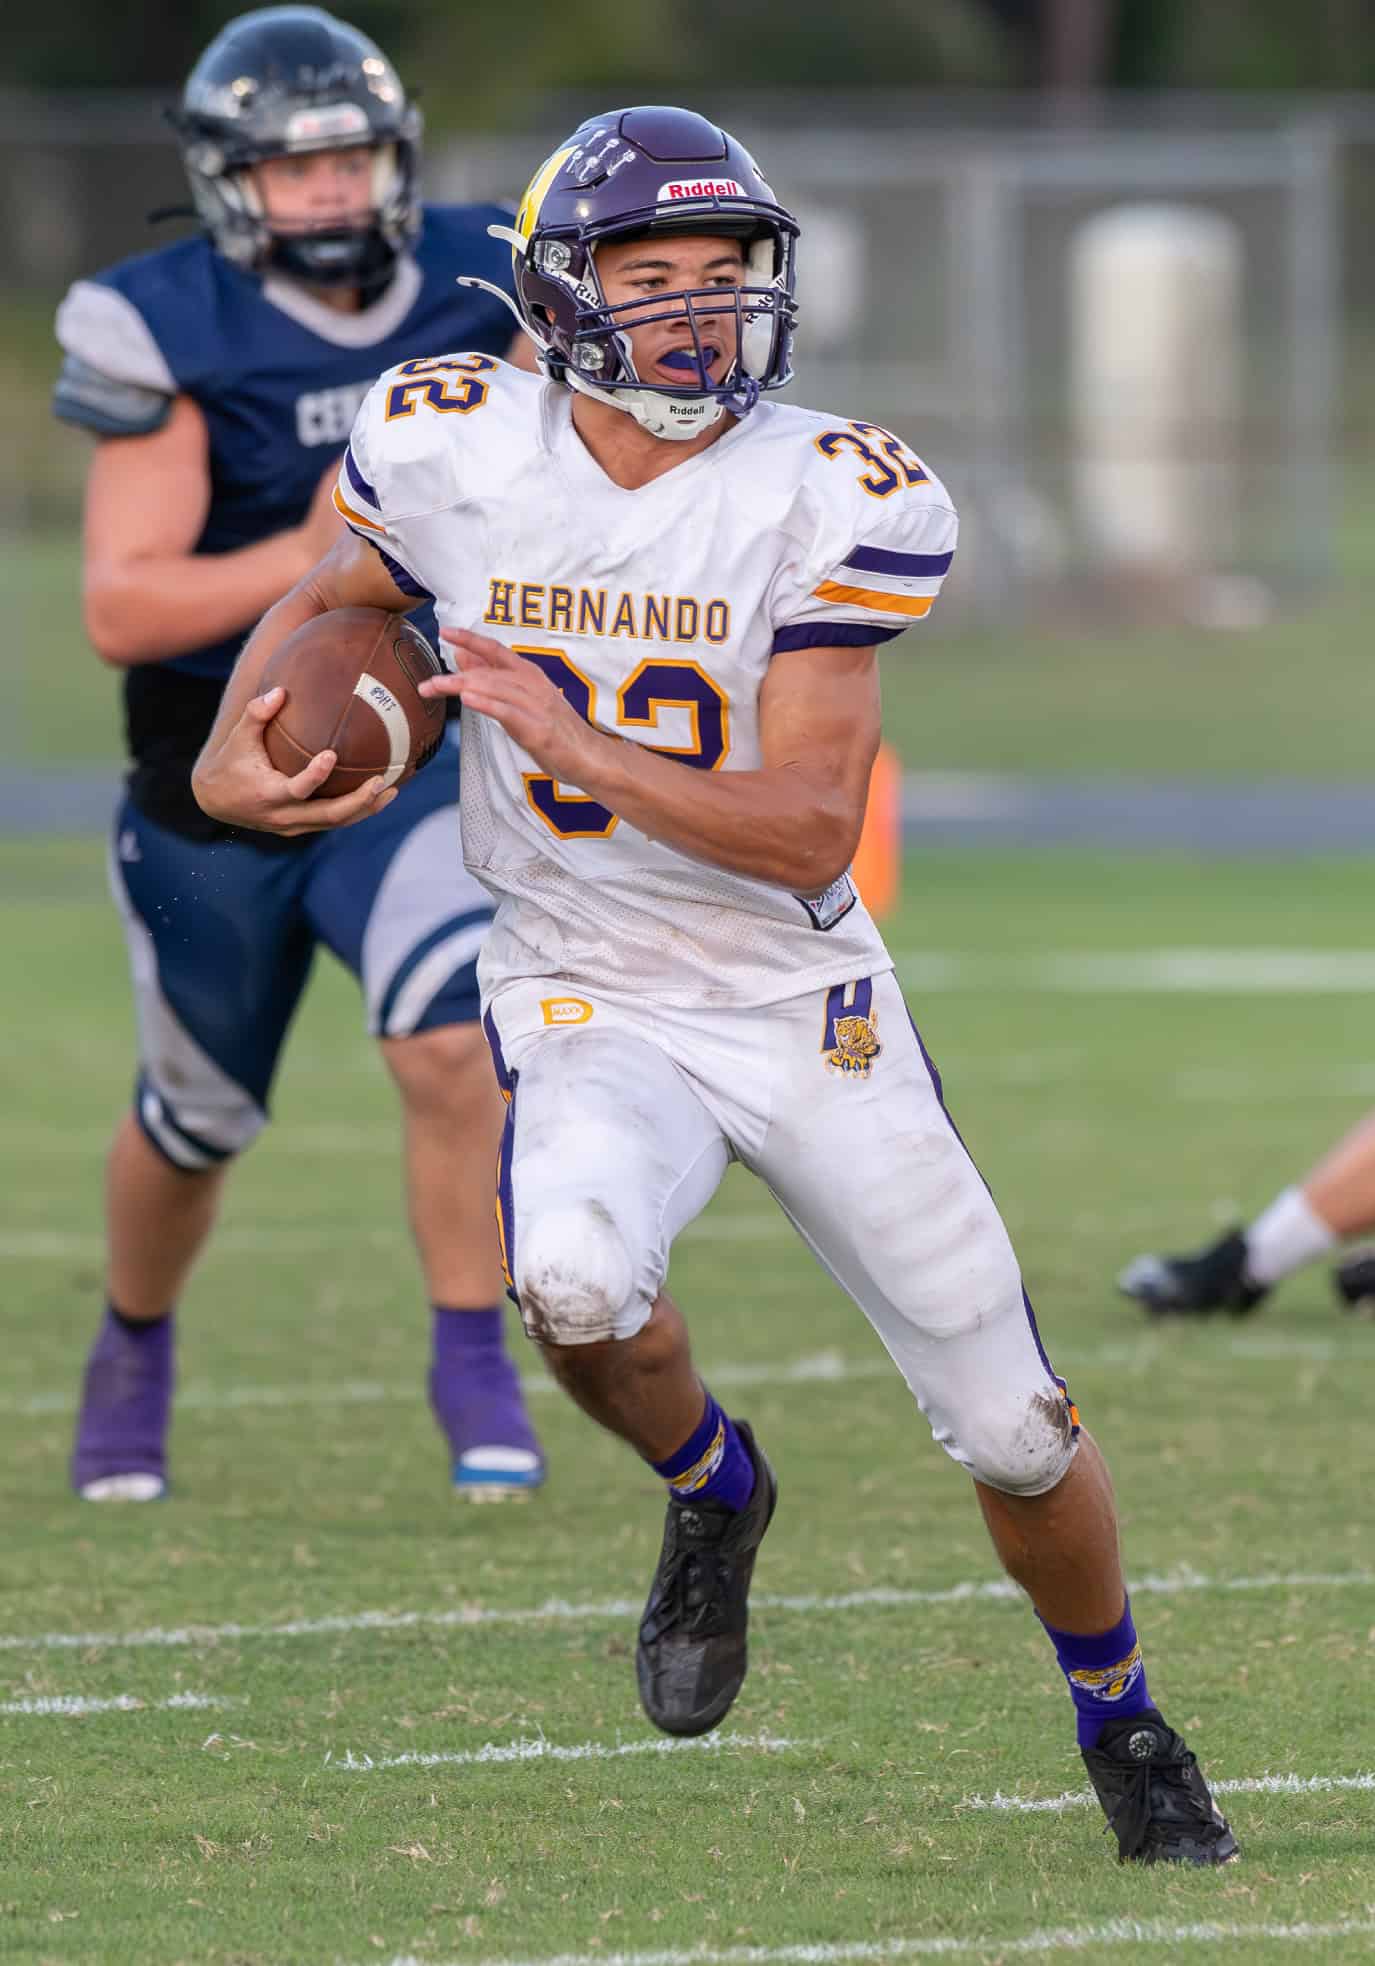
x: 700, y: 187
x: 329, y: 121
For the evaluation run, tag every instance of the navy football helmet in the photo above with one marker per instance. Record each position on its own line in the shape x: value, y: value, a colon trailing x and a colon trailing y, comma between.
x: 279, y: 82
x: 634, y: 173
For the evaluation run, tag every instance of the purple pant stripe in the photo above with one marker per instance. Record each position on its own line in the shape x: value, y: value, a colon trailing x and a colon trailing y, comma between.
x: 506, y: 1204
x: 503, y: 1070
x: 939, y: 1090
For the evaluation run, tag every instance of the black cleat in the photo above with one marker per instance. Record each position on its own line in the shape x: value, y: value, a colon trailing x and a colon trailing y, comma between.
x: 1354, y: 1282
x: 692, y: 1654
x: 1154, y: 1795
x: 1214, y: 1279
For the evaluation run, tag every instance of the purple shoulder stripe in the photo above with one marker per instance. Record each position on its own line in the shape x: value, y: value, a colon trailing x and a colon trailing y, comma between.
x: 831, y: 635
x: 406, y: 581
x: 358, y: 481
x: 911, y: 566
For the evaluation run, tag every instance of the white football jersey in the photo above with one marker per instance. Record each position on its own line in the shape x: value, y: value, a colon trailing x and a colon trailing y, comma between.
x: 657, y: 613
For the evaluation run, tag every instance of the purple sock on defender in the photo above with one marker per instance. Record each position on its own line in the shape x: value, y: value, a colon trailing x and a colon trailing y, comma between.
x: 713, y: 1465
x: 474, y: 1386
x: 1105, y: 1673
x: 126, y: 1398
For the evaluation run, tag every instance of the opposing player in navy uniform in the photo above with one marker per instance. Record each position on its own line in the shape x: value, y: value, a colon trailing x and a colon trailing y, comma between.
x: 222, y: 375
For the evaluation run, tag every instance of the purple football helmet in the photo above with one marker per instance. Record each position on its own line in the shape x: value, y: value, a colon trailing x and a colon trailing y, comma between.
x: 629, y: 174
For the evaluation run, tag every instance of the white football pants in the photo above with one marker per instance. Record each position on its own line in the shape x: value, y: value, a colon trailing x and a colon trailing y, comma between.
x: 624, y: 1117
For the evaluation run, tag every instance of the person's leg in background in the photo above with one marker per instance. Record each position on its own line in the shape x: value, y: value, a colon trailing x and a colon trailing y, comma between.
x: 218, y: 956
x: 392, y: 900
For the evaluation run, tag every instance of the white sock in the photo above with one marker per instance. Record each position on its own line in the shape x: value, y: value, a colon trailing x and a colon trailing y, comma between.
x: 1288, y: 1234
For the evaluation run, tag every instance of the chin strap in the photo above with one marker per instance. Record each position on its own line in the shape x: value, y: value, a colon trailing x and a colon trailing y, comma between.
x: 670, y: 417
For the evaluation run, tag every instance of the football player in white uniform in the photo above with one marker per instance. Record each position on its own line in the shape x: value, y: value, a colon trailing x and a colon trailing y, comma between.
x: 664, y: 596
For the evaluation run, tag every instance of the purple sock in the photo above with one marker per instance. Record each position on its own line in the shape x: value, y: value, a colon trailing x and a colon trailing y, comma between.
x: 1105, y: 1673
x: 474, y: 1386
x: 126, y: 1399
x: 712, y: 1465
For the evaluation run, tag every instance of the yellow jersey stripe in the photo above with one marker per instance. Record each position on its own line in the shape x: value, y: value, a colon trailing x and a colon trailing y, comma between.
x: 915, y: 605
x: 354, y: 518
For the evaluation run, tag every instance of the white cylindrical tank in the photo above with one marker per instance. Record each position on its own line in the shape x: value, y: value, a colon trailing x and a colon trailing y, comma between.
x: 1155, y: 379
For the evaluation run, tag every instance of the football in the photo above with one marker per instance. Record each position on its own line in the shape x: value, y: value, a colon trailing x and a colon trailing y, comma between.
x: 352, y: 680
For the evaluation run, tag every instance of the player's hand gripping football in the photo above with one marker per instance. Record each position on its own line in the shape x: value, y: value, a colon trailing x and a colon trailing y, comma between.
x: 239, y: 785
x: 517, y: 694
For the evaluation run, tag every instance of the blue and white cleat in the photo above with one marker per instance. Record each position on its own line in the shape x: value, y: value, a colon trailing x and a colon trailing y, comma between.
x: 498, y: 1474
x: 124, y: 1488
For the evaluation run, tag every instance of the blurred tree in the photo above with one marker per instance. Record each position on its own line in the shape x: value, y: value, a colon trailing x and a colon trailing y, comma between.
x: 887, y: 43
x: 1077, y: 41
x: 483, y: 62
x: 1249, y: 44
x: 546, y: 46
x: 142, y: 44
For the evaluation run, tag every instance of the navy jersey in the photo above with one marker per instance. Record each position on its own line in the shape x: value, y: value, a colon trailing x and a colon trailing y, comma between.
x: 278, y: 376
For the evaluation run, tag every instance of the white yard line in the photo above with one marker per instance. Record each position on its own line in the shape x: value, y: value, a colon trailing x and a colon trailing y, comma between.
x: 542, y: 1750
x: 1151, y: 972
x: 1354, y: 1344
x: 814, y: 1368
x: 315, y: 1141
x: 998, y: 1590
x: 1252, y: 1785
x: 41, y: 1245
x: 1154, y: 1932
x: 1008, y: 1071
x: 77, y: 1705
x: 227, y: 1399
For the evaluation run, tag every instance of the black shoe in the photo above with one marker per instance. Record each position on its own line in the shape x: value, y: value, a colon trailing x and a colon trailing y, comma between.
x: 691, y: 1658
x: 1214, y: 1279
x: 1354, y: 1282
x: 1154, y: 1795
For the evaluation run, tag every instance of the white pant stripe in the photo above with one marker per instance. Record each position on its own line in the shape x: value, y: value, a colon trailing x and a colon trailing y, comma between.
x: 430, y: 975
x: 171, y: 1142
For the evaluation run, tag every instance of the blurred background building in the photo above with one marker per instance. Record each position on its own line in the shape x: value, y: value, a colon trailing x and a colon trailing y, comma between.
x: 1104, y: 263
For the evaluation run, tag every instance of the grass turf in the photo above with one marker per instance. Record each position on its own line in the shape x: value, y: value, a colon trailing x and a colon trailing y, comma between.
x: 310, y: 1485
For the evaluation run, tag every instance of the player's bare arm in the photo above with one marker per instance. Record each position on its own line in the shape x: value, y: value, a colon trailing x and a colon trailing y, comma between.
x: 147, y: 593
x: 234, y: 780
x: 795, y: 822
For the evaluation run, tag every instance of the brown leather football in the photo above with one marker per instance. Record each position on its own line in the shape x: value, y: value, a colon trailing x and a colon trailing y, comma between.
x: 352, y: 680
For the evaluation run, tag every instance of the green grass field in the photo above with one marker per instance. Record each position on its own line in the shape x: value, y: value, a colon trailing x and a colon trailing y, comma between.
x: 301, y: 1821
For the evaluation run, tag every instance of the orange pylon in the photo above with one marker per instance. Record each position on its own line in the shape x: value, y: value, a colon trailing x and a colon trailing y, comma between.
x: 877, y: 867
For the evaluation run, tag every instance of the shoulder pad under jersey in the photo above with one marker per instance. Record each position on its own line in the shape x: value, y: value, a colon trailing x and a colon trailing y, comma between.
x: 114, y: 379
x: 881, y: 540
